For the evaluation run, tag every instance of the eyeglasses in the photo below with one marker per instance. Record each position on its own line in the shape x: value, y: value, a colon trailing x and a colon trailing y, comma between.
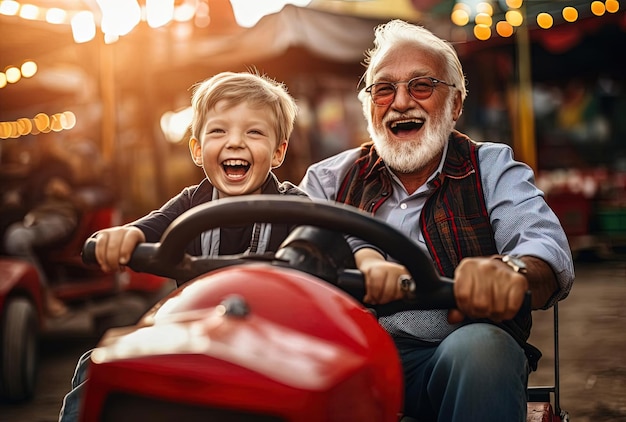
x: 420, y: 88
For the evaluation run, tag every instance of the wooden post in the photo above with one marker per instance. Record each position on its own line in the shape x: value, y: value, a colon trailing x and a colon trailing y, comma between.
x: 524, y: 143
x: 107, y: 92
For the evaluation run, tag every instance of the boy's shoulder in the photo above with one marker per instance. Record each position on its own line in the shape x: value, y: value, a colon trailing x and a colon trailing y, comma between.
x: 288, y: 188
x: 274, y: 186
x: 197, y: 194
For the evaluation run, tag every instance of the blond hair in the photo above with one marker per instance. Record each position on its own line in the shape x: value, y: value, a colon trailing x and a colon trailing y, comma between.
x: 236, y: 88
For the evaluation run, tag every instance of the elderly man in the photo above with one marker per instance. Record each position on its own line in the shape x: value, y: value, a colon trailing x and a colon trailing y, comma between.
x: 472, y: 207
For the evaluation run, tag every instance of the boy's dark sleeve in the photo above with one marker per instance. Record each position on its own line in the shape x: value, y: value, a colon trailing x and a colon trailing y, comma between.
x: 156, y: 222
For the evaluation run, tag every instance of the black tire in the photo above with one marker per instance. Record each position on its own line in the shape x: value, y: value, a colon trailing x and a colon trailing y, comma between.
x: 19, y: 332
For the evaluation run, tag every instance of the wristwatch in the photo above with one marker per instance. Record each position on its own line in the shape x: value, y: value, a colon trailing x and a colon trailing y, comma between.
x: 514, y: 262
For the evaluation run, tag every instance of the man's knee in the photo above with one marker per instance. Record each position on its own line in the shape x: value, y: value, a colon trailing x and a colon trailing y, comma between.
x: 480, y: 347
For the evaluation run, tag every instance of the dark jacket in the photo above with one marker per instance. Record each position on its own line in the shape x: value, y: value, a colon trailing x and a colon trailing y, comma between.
x: 233, y: 240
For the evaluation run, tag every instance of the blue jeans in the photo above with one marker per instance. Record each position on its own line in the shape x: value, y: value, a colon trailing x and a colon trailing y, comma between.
x: 477, y: 373
x: 71, y: 402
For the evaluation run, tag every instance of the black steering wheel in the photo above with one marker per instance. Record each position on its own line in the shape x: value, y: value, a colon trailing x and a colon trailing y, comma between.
x: 168, y: 258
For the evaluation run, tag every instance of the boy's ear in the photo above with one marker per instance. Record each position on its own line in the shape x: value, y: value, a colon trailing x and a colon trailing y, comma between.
x: 195, y: 148
x: 279, y: 153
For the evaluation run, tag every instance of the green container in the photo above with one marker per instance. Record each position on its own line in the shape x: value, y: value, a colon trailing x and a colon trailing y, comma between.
x: 612, y: 220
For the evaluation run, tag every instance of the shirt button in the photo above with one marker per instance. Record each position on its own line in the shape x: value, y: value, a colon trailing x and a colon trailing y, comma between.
x: 403, y: 206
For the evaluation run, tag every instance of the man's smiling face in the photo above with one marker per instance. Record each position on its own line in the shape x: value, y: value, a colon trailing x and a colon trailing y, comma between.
x: 409, y: 133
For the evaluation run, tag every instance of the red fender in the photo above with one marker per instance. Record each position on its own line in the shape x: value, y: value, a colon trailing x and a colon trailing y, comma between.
x: 305, y: 351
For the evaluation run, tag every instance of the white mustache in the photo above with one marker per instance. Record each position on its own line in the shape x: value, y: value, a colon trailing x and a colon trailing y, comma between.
x: 393, y: 116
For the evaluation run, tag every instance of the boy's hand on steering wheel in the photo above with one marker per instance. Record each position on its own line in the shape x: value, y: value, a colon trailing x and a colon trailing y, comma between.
x: 487, y: 288
x: 115, y: 245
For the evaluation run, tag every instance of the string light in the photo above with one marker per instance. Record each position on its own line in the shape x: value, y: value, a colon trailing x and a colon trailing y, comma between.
x: 504, y: 29
x: 41, y: 123
x: 570, y: 14
x: 483, y: 14
x: 13, y: 74
x: 598, y: 8
x: 545, y: 20
x: 612, y: 6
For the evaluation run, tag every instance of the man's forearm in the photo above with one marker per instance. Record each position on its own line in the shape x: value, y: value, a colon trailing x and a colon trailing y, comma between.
x: 541, y: 281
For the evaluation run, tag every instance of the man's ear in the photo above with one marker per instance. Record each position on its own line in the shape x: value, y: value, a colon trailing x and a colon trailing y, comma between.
x: 458, y: 106
x: 279, y: 154
x: 195, y: 148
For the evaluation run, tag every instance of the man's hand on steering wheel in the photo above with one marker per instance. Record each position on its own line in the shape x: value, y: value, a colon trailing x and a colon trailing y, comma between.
x: 486, y: 288
x: 381, y: 277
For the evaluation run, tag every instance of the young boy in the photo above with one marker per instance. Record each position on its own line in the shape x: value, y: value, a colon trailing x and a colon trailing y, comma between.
x: 239, y: 132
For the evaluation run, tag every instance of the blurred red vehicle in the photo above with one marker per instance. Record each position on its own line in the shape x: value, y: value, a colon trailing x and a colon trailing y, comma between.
x: 99, y: 300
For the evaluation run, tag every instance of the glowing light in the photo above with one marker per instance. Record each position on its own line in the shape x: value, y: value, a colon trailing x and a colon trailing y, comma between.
x: 83, y: 27
x: 29, y: 68
x: 3, y: 80
x: 175, y: 124
x: 29, y: 11
x: 68, y: 120
x: 597, y: 8
x: 13, y: 74
x: 544, y: 20
x: 248, y: 13
x: 56, y: 15
x: 570, y: 14
x: 459, y: 17
x: 184, y: 12
x: 483, y: 19
x: 463, y: 6
x: 111, y: 38
x: 119, y: 17
x: 514, y: 4
x: 4, y: 130
x: 42, y: 121
x: 159, y: 12
x: 55, y: 123
x: 504, y: 29
x: 514, y: 17
x: 202, y: 18
x: 612, y: 6
x: 482, y: 32
x: 484, y: 7
x: 9, y: 7
x: 24, y: 126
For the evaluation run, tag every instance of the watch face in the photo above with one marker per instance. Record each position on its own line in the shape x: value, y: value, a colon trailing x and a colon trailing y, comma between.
x: 515, y: 263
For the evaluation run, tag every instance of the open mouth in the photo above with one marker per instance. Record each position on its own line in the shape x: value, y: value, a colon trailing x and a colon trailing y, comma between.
x: 235, y: 169
x: 405, y: 127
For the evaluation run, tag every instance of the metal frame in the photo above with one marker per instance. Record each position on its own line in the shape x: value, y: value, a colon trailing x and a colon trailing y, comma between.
x: 542, y: 393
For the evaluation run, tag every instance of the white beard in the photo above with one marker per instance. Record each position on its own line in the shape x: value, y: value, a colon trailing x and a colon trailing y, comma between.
x: 411, y: 155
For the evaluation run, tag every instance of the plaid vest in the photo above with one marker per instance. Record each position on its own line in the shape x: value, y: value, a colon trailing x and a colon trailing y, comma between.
x: 454, y: 221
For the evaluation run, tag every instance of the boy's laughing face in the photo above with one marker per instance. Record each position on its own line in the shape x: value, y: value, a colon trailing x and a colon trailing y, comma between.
x: 238, y: 148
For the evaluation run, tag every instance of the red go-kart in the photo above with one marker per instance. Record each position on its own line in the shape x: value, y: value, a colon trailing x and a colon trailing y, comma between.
x: 96, y: 302
x: 263, y: 338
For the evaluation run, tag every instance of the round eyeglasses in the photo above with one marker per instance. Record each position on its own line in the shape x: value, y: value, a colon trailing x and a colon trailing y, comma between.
x: 420, y: 88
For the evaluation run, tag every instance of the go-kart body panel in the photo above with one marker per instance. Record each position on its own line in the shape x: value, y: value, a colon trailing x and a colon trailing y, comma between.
x: 305, y: 351
x: 18, y: 277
